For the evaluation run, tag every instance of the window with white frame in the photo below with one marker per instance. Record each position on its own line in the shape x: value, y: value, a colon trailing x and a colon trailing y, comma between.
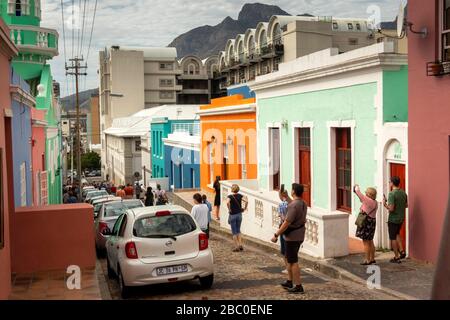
x: 37, y: 8
x: 166, y: 95
x: 166, y: 82
x: 166, y: 66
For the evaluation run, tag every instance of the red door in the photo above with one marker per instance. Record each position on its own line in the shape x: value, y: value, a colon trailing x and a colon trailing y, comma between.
x: 305, y: 163
x: 398, y: 170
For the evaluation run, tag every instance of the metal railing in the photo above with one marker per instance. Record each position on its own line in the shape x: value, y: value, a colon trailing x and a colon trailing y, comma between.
x: 192, y: 128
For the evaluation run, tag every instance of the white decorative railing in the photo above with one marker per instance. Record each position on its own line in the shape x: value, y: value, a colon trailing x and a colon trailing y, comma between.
x: 326, y: 234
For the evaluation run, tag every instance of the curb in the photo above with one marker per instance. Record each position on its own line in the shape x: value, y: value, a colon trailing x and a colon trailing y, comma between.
x: 323, y: 266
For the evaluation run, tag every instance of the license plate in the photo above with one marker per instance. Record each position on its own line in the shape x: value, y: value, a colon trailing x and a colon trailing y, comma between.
x: 171, y: 270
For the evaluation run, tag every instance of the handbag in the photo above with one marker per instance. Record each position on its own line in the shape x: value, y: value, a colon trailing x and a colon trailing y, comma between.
x: 361, y: 219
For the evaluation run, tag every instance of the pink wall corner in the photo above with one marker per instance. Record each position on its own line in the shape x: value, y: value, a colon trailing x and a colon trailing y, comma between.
x: 52, y: 238
x: 429, y: 134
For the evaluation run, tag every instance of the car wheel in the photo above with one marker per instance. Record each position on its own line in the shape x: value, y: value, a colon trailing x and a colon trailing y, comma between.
x: 207, y: 282
x: 124, y: 290
x: 109, y: 269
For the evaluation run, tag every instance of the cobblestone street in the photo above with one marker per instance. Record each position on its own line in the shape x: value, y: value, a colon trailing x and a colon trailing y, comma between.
x: 252, y: 274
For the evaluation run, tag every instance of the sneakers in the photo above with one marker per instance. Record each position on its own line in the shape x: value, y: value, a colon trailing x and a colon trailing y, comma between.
x: 296, y: 289
x: 287, y: 284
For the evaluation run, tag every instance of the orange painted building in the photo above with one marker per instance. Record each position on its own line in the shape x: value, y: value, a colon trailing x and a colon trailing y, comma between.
x: 228, y: 130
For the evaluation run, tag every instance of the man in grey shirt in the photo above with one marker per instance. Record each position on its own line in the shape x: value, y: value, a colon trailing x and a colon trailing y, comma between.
x: 293, y: 230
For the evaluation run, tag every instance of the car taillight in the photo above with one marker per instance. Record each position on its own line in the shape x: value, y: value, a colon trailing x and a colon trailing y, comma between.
x: 102, y: 227
x: 203, y: 241
x: 130, y: 250
x: 162, y: 213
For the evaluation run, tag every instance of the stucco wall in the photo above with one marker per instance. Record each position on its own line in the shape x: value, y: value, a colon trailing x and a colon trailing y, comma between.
x: 429, y: 132
x: 181, y: 174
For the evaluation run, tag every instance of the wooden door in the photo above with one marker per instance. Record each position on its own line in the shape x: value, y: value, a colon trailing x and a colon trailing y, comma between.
x: 304, y: 158
x: 399, y: 170
x: 275, y: 158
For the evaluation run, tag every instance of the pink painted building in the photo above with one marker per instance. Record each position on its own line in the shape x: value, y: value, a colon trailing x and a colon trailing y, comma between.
x: 7, y: 51
x: 429, y: 125
x: 38, y: 154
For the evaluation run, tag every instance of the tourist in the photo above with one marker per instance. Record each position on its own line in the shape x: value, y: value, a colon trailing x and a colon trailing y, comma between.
x: 121, y: 192
x: 282, y: 212
x: 366, y: 222
x: 216, y: 187
x: 161, y: 197
x: 65, y: 196
x: 200, y: 213
x: 235, y: 210
x: 396, y: 205
x: 113, y: 189
x: 293, y: 230
x: 72, y: 198
x: 149, y: 197
x: 129, y: 191
x: 209, y: 205
x: 137, y: 190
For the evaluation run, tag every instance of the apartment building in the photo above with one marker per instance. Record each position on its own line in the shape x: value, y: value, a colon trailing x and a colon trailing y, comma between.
x: 285, y: 38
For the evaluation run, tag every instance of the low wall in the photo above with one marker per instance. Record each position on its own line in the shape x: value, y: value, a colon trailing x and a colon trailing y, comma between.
x: 52, y: 238
x: 326, y: 232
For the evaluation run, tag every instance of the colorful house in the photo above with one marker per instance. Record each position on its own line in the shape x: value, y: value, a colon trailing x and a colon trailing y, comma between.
x: 22, y: 105
x: 228, y: 131
x: 329, y: 121
x: 182, y: 159
x: 36, y: 46
x: 429, y: 127
x: 7, y: 52
x: 173, y: 118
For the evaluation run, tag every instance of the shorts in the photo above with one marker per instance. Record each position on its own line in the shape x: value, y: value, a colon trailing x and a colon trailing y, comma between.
x: 394, y: 230
x: 235, y: 221
x: 282, y: 245
x: 292, y: 249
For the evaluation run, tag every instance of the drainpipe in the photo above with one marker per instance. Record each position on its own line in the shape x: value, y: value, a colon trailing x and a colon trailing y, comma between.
x: 441, y: 285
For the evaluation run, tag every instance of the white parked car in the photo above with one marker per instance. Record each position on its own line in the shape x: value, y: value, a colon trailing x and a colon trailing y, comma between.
x: 95, y: 194
x: 153, y: 245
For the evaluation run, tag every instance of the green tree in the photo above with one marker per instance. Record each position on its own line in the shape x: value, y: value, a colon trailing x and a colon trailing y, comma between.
x: 90, y: 160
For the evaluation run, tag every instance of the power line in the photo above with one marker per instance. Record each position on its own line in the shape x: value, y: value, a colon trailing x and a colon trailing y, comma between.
x: 83, y: 26
x: 92, y: 31
x: 73, y: 27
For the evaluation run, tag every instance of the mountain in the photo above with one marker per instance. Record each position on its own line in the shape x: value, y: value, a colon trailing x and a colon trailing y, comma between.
x: 69, y: 102
x: 207, y: 40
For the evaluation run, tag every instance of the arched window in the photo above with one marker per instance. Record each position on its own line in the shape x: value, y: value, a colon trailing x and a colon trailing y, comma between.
x: 37, y: 8
x: 251, y: 44
x: 18, y: 8
x: 263, y: 39
x: 276, y: 36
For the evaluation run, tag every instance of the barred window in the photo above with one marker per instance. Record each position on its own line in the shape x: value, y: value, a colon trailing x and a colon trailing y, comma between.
x: 445, y: 30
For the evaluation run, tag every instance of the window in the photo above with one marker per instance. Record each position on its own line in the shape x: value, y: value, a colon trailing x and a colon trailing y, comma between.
x: 172, y: 225
x: 445, y: 31
x: 117, y: 225
x: 350, y: 26
x: 137, y: 145
x: 243, y: 162
x: 23, y: 185
x: 344, y: 169
x: 166, y: 66
x: 2, y: 209
x: 165, y: 82
x: 18, y: 8
x: 358, y: 26
x: 335, y: 26
x: 166, y: 95
x: 274, y: 158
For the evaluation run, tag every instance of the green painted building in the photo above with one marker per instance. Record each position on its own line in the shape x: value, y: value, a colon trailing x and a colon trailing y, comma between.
x: 330, y: 121
x: 36, y: 46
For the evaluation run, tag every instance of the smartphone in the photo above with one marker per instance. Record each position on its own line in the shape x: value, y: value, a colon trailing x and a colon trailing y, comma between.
x: 282, y: 188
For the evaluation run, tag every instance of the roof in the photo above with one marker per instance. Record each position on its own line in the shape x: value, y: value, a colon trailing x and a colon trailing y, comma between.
x: 139, y: 123
x: 153, y: 52
x: 138, y: 212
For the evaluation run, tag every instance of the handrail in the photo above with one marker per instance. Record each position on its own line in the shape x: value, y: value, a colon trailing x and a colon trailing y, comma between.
x: 441, y: 283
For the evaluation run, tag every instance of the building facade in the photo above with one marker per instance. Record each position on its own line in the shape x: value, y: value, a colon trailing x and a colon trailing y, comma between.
x: 36, y: 46
x: 93, y: 121
x: 182, y: 160
x: 429, y: 126
x: 228, y: 131
x: 7, y: 51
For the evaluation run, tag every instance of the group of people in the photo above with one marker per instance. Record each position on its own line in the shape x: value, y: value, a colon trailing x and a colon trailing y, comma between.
x: 155, y: 198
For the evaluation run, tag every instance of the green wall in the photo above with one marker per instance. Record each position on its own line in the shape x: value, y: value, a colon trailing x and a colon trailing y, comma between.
x: 395, y: 98
x: 347, y: 103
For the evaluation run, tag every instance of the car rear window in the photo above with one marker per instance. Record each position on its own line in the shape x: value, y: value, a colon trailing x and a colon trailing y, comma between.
x: 117, y: 208
x: 164, y: 226
x: 97, y: 194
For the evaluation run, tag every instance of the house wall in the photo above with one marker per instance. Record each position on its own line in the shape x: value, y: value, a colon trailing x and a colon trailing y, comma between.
x: 159, y: 131
x: 179, y: 163
x: 429, y: 137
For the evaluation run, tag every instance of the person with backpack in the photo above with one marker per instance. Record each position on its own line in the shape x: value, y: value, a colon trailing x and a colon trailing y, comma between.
x: 149, y: 197
x: 235, y: 209
x: 161, y: 198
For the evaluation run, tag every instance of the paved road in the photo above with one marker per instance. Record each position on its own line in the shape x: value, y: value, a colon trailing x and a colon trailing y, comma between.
x: 252, y: 274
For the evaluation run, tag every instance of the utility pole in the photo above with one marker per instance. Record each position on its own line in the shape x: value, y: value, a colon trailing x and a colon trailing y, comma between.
x: 71, y: 152
x: 76, y: 68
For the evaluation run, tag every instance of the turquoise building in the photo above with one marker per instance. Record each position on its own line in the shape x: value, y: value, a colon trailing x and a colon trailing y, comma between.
x: 330, y: 121
x: 36, y: 46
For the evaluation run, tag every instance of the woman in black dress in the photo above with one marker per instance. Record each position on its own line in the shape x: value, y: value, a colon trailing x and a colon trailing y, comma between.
x: 149, y: 197
x: 216, y: 187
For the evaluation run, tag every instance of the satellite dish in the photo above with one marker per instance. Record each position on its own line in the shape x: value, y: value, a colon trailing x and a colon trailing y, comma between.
x: 401, y: 20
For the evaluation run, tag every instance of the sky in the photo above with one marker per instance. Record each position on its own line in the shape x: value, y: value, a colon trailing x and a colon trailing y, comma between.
x: 156, y: 23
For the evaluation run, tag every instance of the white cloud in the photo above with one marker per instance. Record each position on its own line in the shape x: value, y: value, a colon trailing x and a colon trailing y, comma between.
x: 158, y: 22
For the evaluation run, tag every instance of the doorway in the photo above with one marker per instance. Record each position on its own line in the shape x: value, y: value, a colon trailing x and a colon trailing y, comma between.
x: 274, y: 158
x: 304, y: 162
x: 399, y: 170
x: 242, y: 162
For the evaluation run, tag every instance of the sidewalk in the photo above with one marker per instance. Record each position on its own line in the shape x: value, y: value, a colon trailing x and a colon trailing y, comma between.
x: 51, y: 285
x: 408, y: 280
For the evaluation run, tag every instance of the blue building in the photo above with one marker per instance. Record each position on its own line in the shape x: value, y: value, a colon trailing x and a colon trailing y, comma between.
x: 242, y: 89
x: 182, y: 160
x: 22, y: 103
x: 173, y: 119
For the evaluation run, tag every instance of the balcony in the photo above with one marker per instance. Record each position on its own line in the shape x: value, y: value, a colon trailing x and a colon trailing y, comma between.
x: 272, y: 51
x: 326, y: 233
x: 36, y: 40
x: 438, y: 68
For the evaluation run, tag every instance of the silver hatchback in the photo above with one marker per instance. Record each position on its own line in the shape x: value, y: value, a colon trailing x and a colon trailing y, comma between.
x: 154, y: 245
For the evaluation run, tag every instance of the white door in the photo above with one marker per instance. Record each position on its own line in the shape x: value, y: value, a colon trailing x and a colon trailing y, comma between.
x: 243, y: 162
x: 211, y: 164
